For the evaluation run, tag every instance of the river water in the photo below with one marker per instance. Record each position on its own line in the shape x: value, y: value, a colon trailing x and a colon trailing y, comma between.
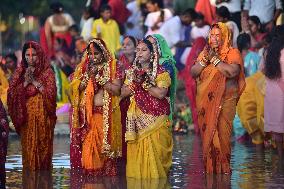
x: 250, y: 169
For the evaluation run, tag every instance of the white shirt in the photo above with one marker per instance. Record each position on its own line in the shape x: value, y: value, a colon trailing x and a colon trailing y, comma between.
x: 233, y: 5
x: 135, y: 19
x: 199, y: 32
x: 264, y: 9
x: 173, y: 31
x: 87, y: 29
x: 153, y: 17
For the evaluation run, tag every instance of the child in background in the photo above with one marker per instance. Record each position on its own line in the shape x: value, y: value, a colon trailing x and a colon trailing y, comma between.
x: 201, y: 29
x: 107, y: 29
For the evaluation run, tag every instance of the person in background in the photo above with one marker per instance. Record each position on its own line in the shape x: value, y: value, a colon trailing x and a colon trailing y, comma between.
x: 234, y: 6
x: 134, y: 22
x: 274, y: 93
x: 4, y: 85
x: 251, y: 58
x: 126, y: 59
x: 254, y: 28
x: 223, y: 15
x: 4, y: 133
x: 11, y: 63
x: 156, y: 17
x: 32, y: 107
x: 119, y: 13
x: 57, y: 26
x: 87, y: 27
x: 107, y: 29
x: 207, y: 8
x: 74, y: 32
x: 200, y: 29
x: 176, y: 31
x: 266, y: 10
x: 181, y: 5
x: 251, y: 66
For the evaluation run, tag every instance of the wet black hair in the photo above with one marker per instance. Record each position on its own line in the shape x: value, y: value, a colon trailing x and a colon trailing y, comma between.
x: 255, y: 20
x: 105, y: 7
x: 243, y: 41
x: 134, y: 41
x: 199, y: 16
x: 149, y: 44
x: 160, y: 3
x: 189, y: 12
x: 223, y: 12
x: 56, y: 7
x: 272, y: 67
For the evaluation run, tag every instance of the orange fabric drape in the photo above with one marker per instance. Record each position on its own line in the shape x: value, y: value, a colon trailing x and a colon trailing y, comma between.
x: 205, y: 7
x: 37, y: 136
x: 216, y: 106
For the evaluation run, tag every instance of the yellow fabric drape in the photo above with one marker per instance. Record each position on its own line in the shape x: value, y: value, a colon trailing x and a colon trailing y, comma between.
x: 4, y: 85
x: 65, y: 89
x: 149, y: 147
x: 109, y: 33
x: 251, y: 107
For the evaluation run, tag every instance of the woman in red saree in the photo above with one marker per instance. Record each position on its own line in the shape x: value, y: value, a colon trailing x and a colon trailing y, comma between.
x: 4, y: 132
x: 189, y: 82
x: 32, y: 106
x: 220, y: 81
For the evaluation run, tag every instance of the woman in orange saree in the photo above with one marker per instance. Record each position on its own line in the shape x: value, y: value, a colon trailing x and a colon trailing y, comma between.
x: 32, y: 106
x: 96, y: 127
x: 220, y: 81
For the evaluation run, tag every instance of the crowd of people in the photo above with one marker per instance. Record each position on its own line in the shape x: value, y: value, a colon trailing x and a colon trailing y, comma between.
x: 114, y: 78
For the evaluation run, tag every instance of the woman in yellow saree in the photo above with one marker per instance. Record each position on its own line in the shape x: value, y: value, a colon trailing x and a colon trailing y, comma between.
x: 96, y: 127
x: 148, y: 136
x: 220, y: 81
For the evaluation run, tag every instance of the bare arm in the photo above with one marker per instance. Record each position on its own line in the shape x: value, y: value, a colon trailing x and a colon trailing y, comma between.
x: 229, y: 70
x: 196, y: 70
x: 113, y: 87
x: 158, y: 92
x: 125, y: 91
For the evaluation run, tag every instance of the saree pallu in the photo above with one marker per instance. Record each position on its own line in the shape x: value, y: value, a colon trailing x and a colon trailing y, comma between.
x: 150, y: 155
x: 92, y: 160
x: 37, y: 136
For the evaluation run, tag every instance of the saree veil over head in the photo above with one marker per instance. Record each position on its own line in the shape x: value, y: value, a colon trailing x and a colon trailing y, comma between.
x: 167, y: 61
x: 17, y: 94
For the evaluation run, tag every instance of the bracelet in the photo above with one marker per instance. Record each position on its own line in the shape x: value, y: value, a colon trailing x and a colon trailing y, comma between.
x: 203, y: 65
x: 216, y: 62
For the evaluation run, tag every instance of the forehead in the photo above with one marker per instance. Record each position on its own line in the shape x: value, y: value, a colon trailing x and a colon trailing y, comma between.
x: 28, y: 50
x: 127, y: 40
x: 215, y: 31
x: 142, y: 45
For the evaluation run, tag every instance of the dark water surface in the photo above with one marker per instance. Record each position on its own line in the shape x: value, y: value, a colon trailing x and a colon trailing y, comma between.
x: 250, y: 170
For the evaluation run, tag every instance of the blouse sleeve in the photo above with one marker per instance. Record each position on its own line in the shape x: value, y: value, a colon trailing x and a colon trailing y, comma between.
x: 163, y: 80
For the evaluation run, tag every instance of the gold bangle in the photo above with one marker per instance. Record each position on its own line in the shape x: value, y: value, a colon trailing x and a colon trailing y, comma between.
x: 203, y: 65
x: 216, y: 62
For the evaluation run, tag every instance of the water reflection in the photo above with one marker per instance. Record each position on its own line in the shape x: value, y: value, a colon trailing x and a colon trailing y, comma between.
x: 250, y: 170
